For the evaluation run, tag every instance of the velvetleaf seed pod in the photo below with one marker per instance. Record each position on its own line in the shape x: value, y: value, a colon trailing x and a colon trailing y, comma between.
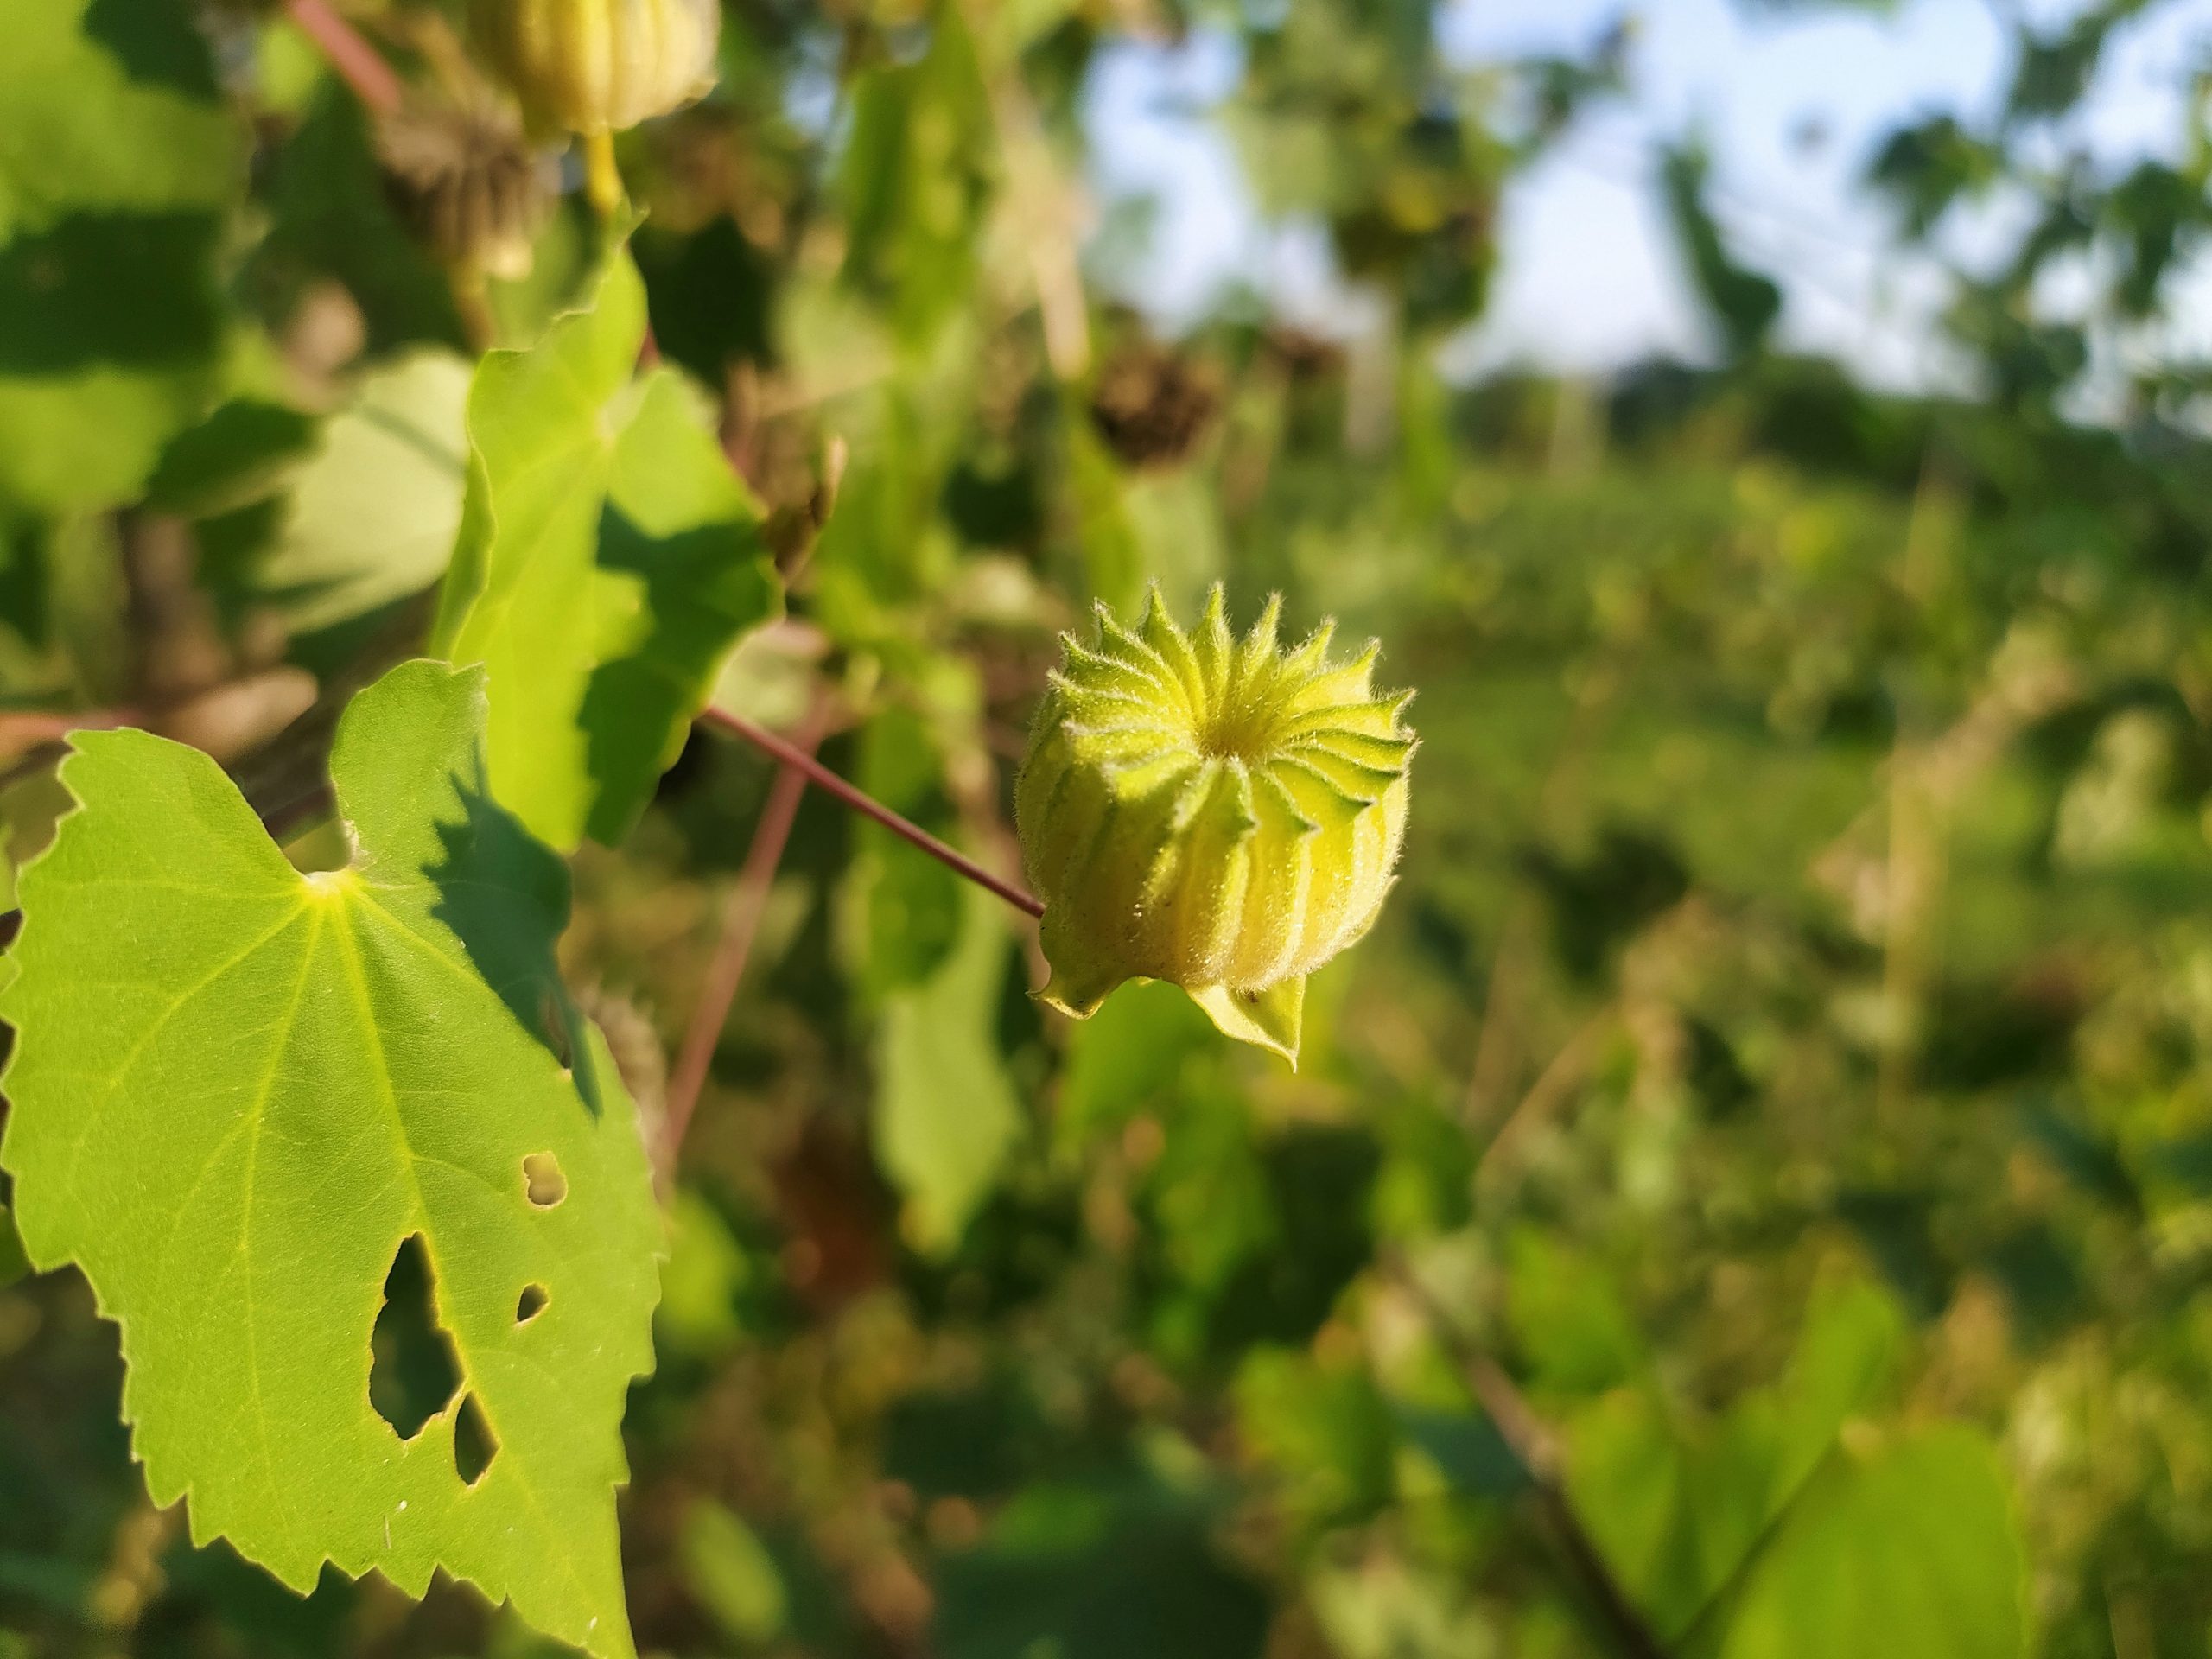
x: 599, y: 66
x: 1215, y: 812
x: 466, y: 183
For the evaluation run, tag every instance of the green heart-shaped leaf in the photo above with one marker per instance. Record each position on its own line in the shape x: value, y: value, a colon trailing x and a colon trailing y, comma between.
x: 241, y: 1094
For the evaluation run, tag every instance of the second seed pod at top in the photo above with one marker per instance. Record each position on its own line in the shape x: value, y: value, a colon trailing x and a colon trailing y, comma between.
x: 599, y: 66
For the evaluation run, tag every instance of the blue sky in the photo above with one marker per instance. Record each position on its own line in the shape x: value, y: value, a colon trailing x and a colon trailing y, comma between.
x: 1589, y: 280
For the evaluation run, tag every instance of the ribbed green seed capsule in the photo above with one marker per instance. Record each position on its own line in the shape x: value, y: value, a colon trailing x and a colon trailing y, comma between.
x: 1219, y: 813
x: 599, y: 66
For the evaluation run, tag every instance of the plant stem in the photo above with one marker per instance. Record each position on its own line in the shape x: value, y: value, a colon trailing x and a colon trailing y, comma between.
x: 740, y: 921
x: 602, y: 177
x: 868, y: 806
x: 1513, y: 1420
x: 358, y: 63
x: 1533, y: 1446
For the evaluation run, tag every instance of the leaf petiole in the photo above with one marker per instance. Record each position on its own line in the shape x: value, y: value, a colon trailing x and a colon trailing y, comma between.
x: 798, y: 759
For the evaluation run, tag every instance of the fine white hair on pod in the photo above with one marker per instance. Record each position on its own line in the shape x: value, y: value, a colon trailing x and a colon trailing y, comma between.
x: 1212, y: 810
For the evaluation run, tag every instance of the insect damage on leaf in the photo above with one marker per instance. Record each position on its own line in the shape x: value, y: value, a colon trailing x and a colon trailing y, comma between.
x: 384, y: 1269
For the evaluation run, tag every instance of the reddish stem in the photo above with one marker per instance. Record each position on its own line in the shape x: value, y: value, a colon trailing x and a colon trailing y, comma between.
x: 361, y: 65
x: 740, y: 921
x: 868, y: 806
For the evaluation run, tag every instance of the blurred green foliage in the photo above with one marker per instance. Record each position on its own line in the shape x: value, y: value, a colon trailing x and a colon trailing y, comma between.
x: 1787, y: 1059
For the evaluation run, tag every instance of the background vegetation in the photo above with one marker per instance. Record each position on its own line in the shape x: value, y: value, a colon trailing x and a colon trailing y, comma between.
x: 1752, y: 1195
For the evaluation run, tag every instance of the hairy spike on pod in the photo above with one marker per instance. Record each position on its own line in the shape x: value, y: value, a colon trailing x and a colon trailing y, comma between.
x: 599, y: 66
x: 1212, y: 810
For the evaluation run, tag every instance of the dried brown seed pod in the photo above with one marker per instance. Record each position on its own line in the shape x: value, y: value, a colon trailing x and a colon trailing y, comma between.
x: 1152, y: 405
x: 467, y: 183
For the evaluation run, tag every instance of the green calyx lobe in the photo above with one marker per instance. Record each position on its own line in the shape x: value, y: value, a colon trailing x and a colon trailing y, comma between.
x: 1217, y: 812
x: 238, y: 1092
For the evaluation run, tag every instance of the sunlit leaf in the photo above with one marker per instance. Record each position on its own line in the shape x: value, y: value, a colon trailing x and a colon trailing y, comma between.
x: 243, y: 1099
x: 1910, y: 1548
x: 372, y: 517
x: 1681, y: 1506
x: 608, y: 558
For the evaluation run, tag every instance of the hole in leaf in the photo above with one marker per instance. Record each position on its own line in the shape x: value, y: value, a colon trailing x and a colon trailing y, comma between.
x: 413, y: 1371
x: 529, y: 1304
x: 475, y: 1445
x: 542, y: 1180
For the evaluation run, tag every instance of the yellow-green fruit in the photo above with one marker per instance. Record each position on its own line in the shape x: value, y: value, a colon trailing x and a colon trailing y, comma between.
x: 599, y: 66
x: 1217, y: 812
